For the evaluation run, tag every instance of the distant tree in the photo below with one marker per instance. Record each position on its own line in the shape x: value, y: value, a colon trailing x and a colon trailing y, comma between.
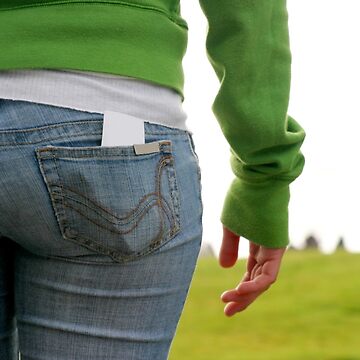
x: 340, y: 245
x: 311, y: 243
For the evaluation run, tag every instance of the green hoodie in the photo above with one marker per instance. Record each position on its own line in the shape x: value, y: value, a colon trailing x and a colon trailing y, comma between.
x: 247, y: 45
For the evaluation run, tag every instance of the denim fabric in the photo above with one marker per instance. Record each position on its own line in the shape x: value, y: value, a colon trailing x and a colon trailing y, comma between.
x: 98, y: 245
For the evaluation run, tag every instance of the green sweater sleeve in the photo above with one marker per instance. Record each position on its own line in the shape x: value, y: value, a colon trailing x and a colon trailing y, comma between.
x: 247, y: 45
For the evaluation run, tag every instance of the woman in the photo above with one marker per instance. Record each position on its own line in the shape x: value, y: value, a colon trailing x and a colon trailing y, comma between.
x: 99, y: 243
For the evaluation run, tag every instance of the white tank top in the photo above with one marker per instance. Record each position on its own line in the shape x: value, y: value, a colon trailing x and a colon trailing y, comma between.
x: 95, y: 92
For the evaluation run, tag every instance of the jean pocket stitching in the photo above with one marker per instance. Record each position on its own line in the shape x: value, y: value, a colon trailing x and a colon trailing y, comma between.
x: 59, y: 206
x: 105, y: 213
x: 166, y: 162
x: 174, y: 193
x: 144, y: 210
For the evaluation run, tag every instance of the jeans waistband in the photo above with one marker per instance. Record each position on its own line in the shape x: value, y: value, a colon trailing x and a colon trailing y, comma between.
x: 51, y: 123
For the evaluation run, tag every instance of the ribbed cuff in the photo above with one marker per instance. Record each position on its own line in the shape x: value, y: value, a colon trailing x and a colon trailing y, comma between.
x: 258, y: 211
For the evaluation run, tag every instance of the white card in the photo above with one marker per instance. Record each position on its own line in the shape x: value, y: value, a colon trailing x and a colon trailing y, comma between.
x: 121, y: 129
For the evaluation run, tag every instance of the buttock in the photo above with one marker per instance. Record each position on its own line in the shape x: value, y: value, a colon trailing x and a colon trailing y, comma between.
x: 79, y: 201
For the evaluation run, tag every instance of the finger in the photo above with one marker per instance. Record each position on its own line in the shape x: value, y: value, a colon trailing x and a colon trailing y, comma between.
x: 253, y: 250
x: 245, y: 277
x: 234, y: 295
x: 229, y: 248
x: 255, y: 271
x: 251, y: 262
x: 258, y: 272
x: 260, y: 283
x: 232, y: 307
x: 229, y: 295
x: 240, y: 290
x: 271, y: 268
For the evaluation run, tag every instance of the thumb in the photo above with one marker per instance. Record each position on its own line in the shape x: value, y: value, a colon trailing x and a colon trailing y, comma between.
x: 229, y: 248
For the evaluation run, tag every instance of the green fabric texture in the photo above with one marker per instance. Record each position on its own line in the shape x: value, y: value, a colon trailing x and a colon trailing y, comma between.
x: 103, y: 36
x: 248, y: 46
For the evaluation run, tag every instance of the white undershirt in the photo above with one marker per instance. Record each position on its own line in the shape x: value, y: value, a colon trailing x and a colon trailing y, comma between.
x: 95, y: 92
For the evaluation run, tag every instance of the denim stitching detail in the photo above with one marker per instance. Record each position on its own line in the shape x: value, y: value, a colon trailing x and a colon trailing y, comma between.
x: 120, y: 153
x: 95, y: 246
x: 155, y: 244
x: 159, y: 239
x: 88, y: 130
x: 131, y: 214
x: 168, y: 210
x: 144, y: 211
x: 174, y: 191
x: 106, y: 250
x: 62, y: 218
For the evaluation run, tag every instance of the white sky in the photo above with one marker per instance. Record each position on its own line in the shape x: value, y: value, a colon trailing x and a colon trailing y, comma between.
x: 324, y: 100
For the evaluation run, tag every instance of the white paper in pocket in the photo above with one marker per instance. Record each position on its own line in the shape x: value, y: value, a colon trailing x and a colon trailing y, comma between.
x: 120, y: 129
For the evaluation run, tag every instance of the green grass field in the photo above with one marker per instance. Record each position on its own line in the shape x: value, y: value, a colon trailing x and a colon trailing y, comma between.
x: 311, y: 312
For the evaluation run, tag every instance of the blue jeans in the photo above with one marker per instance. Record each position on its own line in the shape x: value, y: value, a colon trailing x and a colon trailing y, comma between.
x: 98, y: 245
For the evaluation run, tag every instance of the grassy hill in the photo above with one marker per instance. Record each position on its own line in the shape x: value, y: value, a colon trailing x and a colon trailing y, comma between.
x: 312, y: 312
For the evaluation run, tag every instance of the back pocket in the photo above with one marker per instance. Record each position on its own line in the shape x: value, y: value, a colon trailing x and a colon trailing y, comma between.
x: 120, y: 201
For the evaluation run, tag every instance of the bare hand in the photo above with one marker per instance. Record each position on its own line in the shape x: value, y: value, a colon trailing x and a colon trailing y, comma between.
x: 263, y: 265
